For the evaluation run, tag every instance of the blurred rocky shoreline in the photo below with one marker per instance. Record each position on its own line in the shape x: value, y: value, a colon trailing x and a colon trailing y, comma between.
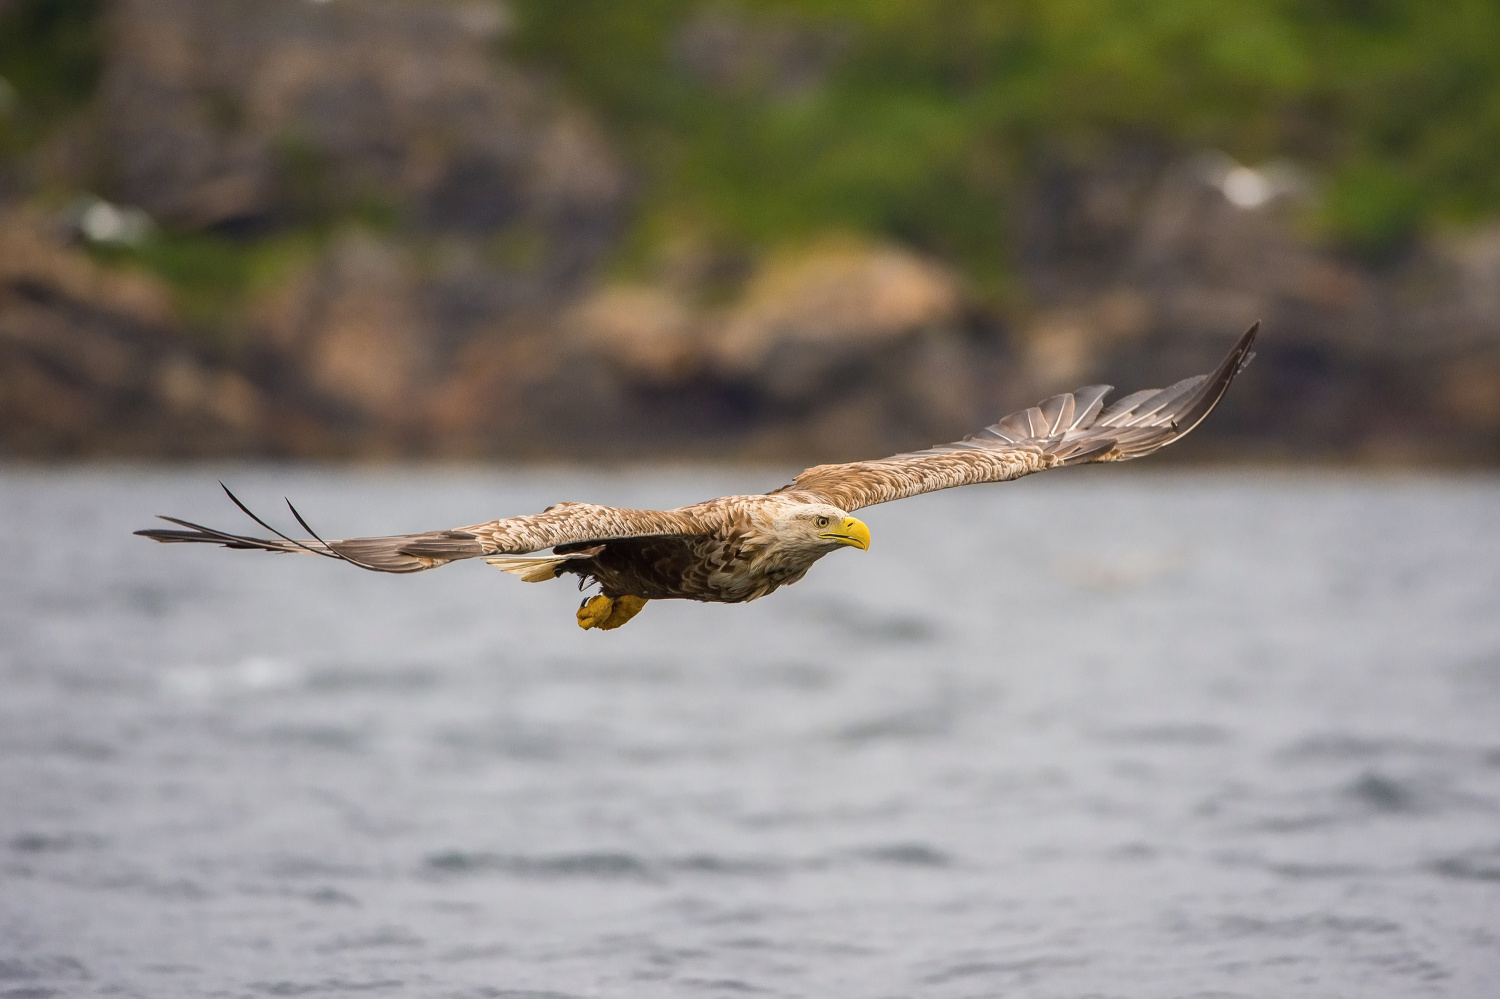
x: 457, y: 299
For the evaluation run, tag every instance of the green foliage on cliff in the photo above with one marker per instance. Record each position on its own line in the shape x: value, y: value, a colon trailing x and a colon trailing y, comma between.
x: 758, y: 122
x: 923, y: 119
x: 50, y: 57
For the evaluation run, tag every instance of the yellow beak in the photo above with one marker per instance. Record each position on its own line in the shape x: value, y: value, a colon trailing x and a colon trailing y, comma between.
x: 850, y: 532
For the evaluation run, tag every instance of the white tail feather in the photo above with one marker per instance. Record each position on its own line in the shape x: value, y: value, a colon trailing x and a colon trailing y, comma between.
x: 538, y: 568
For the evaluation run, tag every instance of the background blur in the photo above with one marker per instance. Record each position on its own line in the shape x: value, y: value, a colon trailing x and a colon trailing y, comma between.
x: 1229, y: 732
x: 770, y: 230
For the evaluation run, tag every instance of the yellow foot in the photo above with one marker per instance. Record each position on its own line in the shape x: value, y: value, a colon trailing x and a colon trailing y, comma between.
x: 608, y: 613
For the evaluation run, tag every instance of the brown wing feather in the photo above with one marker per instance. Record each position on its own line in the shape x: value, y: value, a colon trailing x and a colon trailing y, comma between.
x: 571, y: 523
x: 403, y: 553
x: 1069, y: 429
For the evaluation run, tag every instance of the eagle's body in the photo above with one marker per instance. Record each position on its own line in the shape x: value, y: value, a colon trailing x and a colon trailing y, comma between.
x: 738, y: 548
x: 738, y: 551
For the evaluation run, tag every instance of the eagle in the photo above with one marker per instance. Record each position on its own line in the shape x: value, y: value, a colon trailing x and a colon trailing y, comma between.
x: 739, y: 548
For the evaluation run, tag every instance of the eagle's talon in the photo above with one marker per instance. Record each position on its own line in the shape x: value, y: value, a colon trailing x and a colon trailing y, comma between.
x: 608, y: 613
x: 624, y: 609
x: 594, y: 611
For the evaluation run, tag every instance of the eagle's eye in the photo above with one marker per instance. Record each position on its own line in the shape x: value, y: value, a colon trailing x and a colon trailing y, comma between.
x: 822, y: 521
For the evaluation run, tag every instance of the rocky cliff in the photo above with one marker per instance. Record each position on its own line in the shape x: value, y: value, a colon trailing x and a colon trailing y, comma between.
x: 440, y: 224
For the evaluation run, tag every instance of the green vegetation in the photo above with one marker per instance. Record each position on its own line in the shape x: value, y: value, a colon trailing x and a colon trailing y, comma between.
x: 928, y: 114
x: 51, y: 52
x: 211, y: 275
x: 762, y: 122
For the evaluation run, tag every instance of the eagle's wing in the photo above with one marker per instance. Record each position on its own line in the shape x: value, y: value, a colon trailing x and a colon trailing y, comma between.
x: 561, y: 524
x: 1070, y: 429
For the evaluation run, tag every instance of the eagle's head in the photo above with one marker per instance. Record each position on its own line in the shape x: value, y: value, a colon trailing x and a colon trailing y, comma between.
x: 817, y: 528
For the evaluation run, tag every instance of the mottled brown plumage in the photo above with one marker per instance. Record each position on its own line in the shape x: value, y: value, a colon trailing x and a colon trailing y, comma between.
x: 738, y: 548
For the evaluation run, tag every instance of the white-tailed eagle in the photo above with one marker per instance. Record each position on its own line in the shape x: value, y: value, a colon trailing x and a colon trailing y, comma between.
x: 738, y: 548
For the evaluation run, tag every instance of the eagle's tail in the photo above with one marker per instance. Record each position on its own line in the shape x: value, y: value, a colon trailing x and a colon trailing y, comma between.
x: 539, y: 568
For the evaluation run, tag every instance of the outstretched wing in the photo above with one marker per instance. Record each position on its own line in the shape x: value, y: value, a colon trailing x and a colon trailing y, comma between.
x: 561, y: 524
x: 1069, y: 429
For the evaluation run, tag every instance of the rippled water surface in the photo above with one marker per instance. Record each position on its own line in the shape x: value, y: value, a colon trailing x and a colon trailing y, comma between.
x: 1088, y: 734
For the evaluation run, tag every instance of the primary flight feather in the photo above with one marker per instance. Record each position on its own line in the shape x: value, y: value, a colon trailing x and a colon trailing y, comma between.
x: 738, y: 548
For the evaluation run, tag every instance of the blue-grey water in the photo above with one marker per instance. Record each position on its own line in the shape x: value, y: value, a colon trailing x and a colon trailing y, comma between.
x: 1089, y: 734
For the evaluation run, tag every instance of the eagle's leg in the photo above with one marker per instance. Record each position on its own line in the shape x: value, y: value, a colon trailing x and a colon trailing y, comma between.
x: 608, y: 613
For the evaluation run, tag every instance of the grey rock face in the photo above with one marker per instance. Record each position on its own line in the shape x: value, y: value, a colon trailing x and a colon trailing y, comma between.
x: 227, y: 114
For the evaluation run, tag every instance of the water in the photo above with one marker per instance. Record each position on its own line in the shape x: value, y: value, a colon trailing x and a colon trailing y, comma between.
x: 1089, y: 734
